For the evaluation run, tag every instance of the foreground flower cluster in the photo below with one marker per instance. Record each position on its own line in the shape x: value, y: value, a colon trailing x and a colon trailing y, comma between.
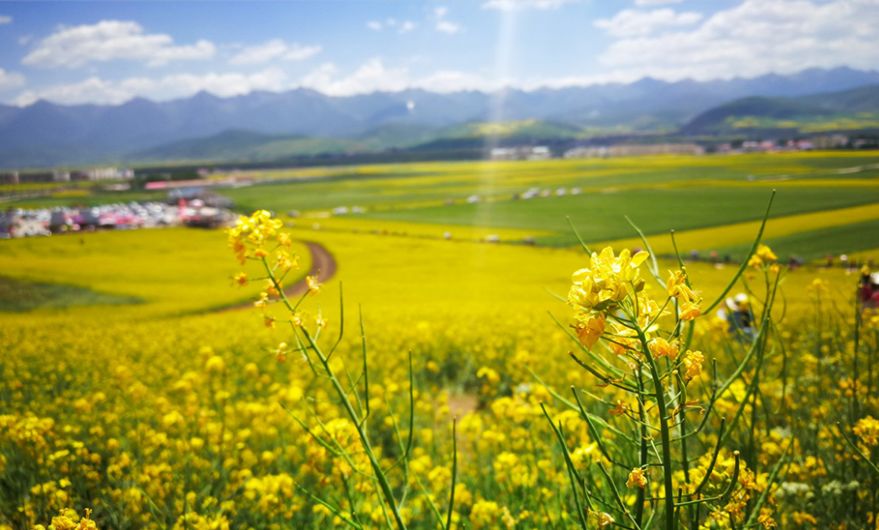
x: 659, y: 417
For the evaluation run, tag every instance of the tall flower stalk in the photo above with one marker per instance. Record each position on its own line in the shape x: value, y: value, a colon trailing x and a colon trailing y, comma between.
x: 259, y: 238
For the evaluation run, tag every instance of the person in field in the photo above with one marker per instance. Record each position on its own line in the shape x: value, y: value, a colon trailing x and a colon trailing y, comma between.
x: 739, y: 317
x: 868, y: 289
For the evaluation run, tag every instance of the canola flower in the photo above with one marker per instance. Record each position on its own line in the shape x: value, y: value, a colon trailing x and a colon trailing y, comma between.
x: 69, y: 519
x: 646, y: 354
x: 205, y: 424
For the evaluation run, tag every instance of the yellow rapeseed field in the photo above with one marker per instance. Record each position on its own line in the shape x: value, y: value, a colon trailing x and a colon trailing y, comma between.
x: 440, y: 375
x: 465, y: 385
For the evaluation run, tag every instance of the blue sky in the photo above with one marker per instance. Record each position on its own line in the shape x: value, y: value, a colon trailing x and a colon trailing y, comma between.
x: 109, y: 52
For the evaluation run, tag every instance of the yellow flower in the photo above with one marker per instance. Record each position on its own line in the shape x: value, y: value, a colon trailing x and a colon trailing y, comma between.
x: 281, y: 352
x: 490, y: 375
x: 803, y: 518
x: 693, y: 364
x: 68, y: 519
x: 589, y: 329
x: 660, y: 347
x: 215, y: 364
x: 765, y: 519
x: 605, y: 520
x: 313, y: 285
x: 690, y: 311
x: 764, y: 254
x: 241, y: 278
x: 249, y: 235
x: 755, y: 261
x: 867, y: 429
x: 172, y: 418
x: 263, y: 300
x: 607, y: 280
x: 636, y: 479
x: 486, y: 514
x: 689, y: 300
x: 619, y: 409
x: 675, y: 280
x: 271, y: 290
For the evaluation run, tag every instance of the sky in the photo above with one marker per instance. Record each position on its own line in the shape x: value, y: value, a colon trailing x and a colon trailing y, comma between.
x: 108, y: 52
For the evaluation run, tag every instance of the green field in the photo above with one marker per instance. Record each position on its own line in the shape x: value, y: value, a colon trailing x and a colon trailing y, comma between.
x: 410, y: 184
x: 658, y: 193
x: 599, y: 216
x: 20, y: 295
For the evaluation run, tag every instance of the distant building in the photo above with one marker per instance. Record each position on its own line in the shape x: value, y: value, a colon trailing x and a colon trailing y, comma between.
x: 830, y: 141
x: 634, y: 150
x: 37, y: 176
x: 537, y: 152
x: 9, y: 177
x: 109, y: 173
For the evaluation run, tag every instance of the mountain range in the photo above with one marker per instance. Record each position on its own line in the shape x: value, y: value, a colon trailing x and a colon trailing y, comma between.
x: 856, y: 108
x: 269, y: 125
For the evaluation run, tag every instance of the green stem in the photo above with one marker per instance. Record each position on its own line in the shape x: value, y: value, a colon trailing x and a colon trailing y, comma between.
x: 364, y: 440
x: 664, y: 432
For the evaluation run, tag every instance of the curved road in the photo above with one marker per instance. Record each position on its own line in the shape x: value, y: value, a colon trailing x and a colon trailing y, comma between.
x: 323, y: 266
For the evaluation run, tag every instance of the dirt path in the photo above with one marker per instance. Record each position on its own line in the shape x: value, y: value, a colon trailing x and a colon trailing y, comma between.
x: 323, y: 265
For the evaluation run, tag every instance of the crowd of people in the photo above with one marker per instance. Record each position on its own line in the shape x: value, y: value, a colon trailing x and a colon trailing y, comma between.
x: 20, y: 222
x: 740, y: 318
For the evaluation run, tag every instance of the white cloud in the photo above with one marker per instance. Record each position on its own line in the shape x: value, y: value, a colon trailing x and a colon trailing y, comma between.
x: 110, y: 40
x: 274, y: 50
x: 755, y: 38
x: 97, y: 90
x: 10, y: 80
x: 374, y: 75
x: 402, y: 26
x: 631, y: 22
x: 5, y: 19
x: 370, y: 76
x: 656, y: 2
x: 444, y: 25
x: 452, y: 81
x: 512, y: 5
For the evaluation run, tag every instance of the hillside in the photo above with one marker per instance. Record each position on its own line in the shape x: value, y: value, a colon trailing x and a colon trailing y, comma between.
x: 250, y: 146
x: 850, y: 109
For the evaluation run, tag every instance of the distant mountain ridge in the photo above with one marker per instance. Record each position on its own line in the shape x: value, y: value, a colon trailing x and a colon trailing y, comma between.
x: 847, y: 109
x: 250, y: 146
x: 47, y: 134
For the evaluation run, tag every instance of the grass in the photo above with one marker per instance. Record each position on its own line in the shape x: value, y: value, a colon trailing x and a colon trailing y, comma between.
x: 816, y: 244
x: 742, y: 234
x: 171, y: 270
x: 19, y: 295
x: 86, y: 198
x: 599, y: 217
x: 396, y: 186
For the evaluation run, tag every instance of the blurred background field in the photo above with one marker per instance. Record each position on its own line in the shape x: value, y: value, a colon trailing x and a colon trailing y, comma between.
x: 394, y: 223
x: 143, y: 383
